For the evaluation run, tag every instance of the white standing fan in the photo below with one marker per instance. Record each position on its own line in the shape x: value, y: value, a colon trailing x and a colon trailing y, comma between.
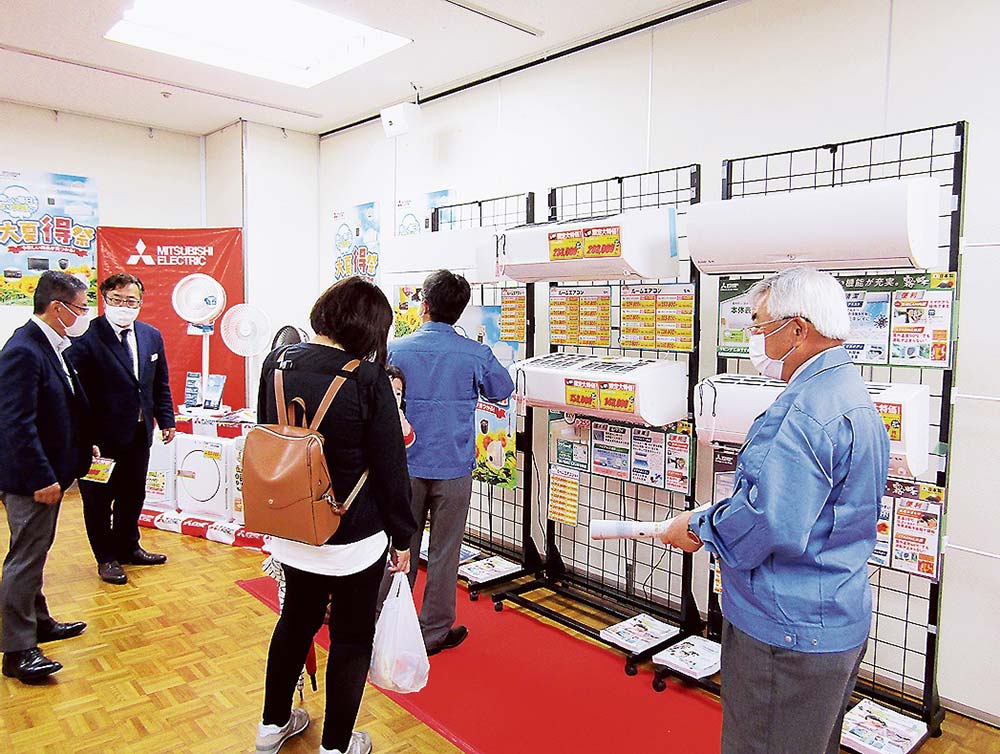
x: 199, y: 300
x: 246, y: 331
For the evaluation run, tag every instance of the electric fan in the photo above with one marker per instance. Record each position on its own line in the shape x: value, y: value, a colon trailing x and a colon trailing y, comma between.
x: 289, y: 335
x: 245, y: 330
x: 199, y: 299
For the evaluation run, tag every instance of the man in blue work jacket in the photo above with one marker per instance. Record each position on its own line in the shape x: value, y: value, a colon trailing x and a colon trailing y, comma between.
x: 446, y: 374
x: 794, y: 538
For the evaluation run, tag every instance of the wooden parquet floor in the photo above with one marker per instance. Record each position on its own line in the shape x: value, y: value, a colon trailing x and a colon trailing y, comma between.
x: 173, y: 663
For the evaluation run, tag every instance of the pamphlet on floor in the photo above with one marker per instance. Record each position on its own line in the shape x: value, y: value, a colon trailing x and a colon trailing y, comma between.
x: 639, y: 633
x: 494, y: 567
x: 695, y: 657
x: 870, y: 728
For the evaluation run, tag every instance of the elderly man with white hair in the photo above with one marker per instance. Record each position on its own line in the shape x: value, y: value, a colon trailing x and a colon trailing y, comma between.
x: 794, y: 538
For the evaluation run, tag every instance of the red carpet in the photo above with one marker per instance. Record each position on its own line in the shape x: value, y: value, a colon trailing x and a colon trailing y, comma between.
x: 519, y: 685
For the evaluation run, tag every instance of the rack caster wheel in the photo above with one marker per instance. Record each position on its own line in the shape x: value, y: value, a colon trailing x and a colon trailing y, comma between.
x: 631, y: 669
x: 659, y: 684
x: 498, y: 607
x: 473, y: 596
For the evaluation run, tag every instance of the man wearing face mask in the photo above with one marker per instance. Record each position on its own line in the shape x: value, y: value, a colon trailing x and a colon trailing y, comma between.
x: 794, y: 538
x: 123, y: 368
x: 44, y: 447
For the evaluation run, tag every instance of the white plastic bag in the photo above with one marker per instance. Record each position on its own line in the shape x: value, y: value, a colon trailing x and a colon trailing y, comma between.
x: 399, y: 659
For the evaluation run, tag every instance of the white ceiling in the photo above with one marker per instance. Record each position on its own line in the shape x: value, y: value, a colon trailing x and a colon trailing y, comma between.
x: 53, y: 54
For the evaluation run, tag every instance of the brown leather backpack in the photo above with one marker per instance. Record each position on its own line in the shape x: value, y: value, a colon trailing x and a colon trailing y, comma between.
x: 287, y: 490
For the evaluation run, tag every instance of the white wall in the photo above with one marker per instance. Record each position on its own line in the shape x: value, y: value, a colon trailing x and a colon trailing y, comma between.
x: 141, y: 181
x: 750, y: 77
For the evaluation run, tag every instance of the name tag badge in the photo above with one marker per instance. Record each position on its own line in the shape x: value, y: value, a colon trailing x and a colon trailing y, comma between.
x: 154, y: 357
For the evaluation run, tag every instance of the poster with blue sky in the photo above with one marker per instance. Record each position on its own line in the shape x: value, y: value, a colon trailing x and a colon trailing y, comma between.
x: 357, y: 241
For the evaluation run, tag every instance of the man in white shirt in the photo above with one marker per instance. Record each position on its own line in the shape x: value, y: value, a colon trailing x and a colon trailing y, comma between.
x: 123, y: 369
x: 44, y: 447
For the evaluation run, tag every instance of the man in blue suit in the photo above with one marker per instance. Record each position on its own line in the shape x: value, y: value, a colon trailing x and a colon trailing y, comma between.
x: 123, y: 369
x: 44, y: 447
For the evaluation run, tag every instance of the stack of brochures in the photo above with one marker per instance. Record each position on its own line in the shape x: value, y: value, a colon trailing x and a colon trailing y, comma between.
x: 639, y: 633
x: 695, y: 657
x: 465, y: 554
x: 481, y: 571
x: 870, y: 728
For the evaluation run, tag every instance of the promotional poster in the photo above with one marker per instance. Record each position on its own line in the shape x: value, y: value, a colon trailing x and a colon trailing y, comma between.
x: 357, y: 242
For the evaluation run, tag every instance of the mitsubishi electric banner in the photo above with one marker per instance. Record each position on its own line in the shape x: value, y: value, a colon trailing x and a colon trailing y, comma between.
x: 48, y: 221
x: 161, y: 257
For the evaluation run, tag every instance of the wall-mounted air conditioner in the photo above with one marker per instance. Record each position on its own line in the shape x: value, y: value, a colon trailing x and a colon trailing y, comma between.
x: 640, y: 391
x: 637, y: 244
x: 885, y: 224
x: 727, y: 404
x: 469, y: 252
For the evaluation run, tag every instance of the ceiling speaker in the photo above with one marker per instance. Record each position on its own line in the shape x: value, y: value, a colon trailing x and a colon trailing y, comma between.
x: 400, y: 119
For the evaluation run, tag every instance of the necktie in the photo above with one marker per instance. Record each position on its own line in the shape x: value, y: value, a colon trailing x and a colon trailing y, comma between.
x: 128, y: 348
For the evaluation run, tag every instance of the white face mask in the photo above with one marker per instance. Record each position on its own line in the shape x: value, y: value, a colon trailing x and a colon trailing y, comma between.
x: 80, y: 324
x: 122, y: 316
x: 762, y: 362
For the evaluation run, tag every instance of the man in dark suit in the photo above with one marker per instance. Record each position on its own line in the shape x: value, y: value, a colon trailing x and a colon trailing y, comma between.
x: 44, y: 447
x: 123, y: 369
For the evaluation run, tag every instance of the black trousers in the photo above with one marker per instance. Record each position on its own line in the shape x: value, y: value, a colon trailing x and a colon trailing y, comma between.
x: 111, y: 511
x: 352, y: 601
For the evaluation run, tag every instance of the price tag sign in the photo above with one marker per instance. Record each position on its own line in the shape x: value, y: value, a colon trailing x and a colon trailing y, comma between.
x: 582, y: 394
x: 618, y: 396
x: 602, y: 243
x: 565, y: 244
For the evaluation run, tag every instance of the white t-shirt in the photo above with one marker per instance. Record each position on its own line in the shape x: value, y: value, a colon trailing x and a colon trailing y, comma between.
x: 331, y: 560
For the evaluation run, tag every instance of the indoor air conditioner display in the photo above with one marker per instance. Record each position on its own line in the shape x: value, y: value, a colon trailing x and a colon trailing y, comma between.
x: 885, y: 224
x: 727, y: 404
x: 641, y: 391
x: 631, y: 245
x: 470, y: 252
x: 205, y: 471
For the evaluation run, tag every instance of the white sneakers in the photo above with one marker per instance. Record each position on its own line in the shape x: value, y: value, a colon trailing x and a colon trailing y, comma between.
x: 361, y: 743
x: 271, y: 737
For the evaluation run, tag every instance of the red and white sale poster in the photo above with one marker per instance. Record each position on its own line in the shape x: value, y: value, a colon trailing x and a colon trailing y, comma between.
x: 161, y: 257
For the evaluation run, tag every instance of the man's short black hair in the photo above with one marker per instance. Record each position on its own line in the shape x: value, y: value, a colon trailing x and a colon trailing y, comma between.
x: 120, y: 280
x: 446, y: 295
x: 56, y: 286
x: 356, y: 314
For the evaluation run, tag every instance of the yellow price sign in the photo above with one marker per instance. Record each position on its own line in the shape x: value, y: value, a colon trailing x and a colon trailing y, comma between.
x: 582, y: 394
x: 565, y: 244
x: 618, y: 396
x: 602, y: 243
x: 892, y: 415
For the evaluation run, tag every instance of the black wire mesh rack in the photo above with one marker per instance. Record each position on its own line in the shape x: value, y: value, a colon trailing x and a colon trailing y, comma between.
x: 621, y: 577
x: 899, y: 669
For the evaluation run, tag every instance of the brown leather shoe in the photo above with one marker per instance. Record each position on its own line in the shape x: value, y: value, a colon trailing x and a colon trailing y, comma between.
x: 112, y: 573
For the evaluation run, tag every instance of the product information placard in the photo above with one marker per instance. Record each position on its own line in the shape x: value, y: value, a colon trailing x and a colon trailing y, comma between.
x: 514, y: 314
x: 611, y: 448
x: 659, y: 317
x: 580, y: 316
x: 406, y: 314
x: 602, y: 243
x: 565, y: 244
x: 868, y: 342
x: 582, y: 394
x: 413, y: 216
x: 679, y: 458
x: 723, y: 471
x: 357, y: 241
x: 564, y: 495
x: 496, y: 457
x: 618, y: 397
x: 48, y: 221
x: 734, y: 316
x: 569, y: 441
x: 649, y: 457
x: 908, y: 537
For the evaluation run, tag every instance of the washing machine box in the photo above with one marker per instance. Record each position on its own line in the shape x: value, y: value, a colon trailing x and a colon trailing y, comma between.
x: 640, y: 391
x: 205, y: 476
x: 161, y: 476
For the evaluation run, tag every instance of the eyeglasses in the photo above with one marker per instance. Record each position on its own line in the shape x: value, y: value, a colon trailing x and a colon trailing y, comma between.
x: 74, y: 307
x: 758, y: 327
x: 130, y: 302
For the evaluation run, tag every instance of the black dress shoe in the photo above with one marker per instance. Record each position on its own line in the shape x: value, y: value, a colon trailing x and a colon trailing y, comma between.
x: 56, y: 631
x: 141, y: 557
x: 455, y: 636
x: 29, y: 665
x: 112, y: 573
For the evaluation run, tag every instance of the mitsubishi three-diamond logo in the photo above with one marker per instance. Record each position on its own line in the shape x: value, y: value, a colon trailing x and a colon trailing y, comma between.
x: 139, y: 256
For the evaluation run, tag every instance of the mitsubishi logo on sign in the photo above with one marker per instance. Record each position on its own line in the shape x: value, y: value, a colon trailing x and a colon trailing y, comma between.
x: 139, y: 256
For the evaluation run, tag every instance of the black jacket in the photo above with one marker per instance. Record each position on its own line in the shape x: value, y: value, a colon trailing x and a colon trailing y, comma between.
x: 43, y: 433
x: 361, y: 430
x: 115, y: 395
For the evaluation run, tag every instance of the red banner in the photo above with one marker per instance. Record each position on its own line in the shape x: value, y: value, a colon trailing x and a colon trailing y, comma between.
x: 161, y: 257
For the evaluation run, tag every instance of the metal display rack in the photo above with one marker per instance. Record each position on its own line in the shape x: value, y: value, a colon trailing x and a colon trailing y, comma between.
x: 499, y: 521
x: 621, y: 577
x: 899, y: 669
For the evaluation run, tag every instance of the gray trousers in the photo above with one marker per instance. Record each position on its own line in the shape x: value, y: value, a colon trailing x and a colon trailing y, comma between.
x: 22, y: 604
x: 447, y: 503
x: 779, y: 701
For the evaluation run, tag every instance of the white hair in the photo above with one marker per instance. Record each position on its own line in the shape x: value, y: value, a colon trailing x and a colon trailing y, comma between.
x: 807, y: 293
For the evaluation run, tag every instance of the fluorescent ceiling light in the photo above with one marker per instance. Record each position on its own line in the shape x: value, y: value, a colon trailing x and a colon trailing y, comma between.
x: 280, y: 40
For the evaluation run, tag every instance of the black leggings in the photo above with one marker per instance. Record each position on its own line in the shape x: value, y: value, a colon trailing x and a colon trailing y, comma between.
x: 352, y: 628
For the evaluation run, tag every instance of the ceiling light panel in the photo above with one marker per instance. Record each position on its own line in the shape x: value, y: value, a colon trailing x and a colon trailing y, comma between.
x: 280, y: 40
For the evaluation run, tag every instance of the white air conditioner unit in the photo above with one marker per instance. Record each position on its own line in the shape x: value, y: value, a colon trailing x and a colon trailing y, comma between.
x: 639, y: 391
x: 638, y: 244
x: 469, y: 252
x: 727, y: 404
x: 885, y: 224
